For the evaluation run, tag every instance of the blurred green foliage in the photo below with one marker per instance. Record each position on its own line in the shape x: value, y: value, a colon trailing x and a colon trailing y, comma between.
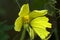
x: 44, y: 4
x: 3, y: 31
x: 40, y: 4
x: 4, y: 27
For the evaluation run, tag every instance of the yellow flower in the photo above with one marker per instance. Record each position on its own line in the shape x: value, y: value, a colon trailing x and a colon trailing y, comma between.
x: 37, y: 20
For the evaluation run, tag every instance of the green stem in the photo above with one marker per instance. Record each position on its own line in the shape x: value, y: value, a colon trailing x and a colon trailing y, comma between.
x: 23, y: 34
x: 24, y: 31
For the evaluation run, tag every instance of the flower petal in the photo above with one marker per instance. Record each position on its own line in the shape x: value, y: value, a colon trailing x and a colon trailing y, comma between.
x: 42, y: 33
x: 37, y: 13
x: 41, y: 22
x: 39, y: 25
x: 18, y: 24
x: 24, y: 10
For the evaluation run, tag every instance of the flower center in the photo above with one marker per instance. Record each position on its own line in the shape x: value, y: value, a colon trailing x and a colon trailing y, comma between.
x: 26, y: 19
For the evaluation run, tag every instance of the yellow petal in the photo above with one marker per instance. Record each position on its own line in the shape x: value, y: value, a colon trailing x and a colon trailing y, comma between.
x: 39, y: 25
x: 41, y: 22
x: 18, y: 24
x: 24, y: 10
x: 37, y: 13
x: 42, y: 33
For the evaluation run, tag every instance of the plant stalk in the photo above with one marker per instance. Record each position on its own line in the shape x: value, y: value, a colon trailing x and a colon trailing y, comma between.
x: 23, y: 34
